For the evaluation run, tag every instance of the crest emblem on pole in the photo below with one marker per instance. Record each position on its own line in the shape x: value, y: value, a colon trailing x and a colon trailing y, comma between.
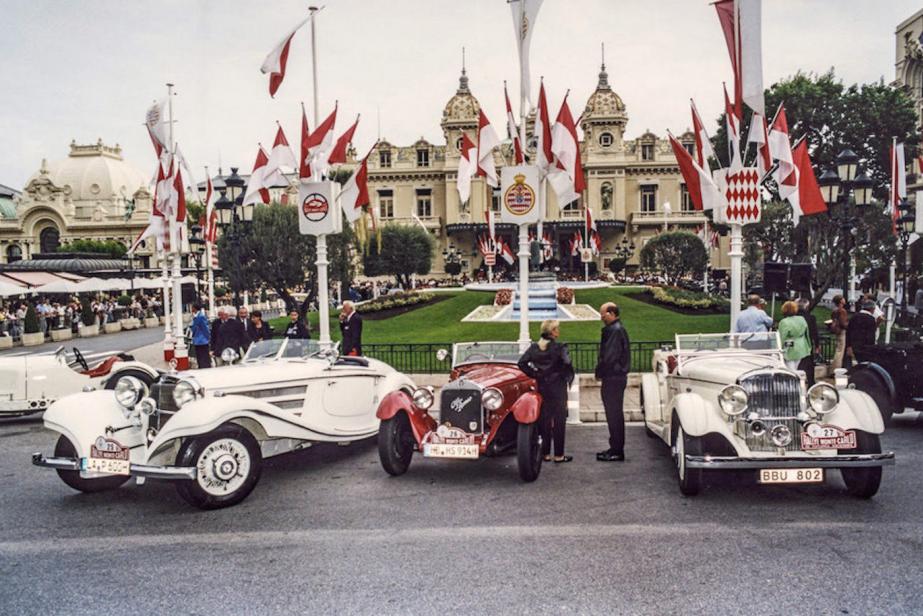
x: 519, y: 198
x: 742, y: 191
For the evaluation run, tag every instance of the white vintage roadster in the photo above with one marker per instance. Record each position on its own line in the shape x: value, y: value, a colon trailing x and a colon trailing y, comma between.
x: 31, y: 383
x: 211, y: 429
x: 727, y: 401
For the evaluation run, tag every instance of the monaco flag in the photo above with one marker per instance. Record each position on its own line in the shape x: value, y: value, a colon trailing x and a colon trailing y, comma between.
x: 467, y: 167
x: 505, y: 252
x: 275, y: 62
x: 732, y: 119
x: 544, y: 157
x: 759, y: 134
x: 281, y: 154
x: 590, y: 223
x: 355, y: 192
x: 898, y: 182
x: 257, y: 190
x: 512, y: 131
x: 741, y: 22
x: 318, y: 147
x: 338, y: 155
x: 780, y: 147
x: 487, y: 141
x: 807, y: 200
x: 701, y: 187
x: 566, y: 148
x: 703, y: 149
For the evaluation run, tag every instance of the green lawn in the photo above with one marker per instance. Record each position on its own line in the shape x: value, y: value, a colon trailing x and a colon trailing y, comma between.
x: 441, y: 322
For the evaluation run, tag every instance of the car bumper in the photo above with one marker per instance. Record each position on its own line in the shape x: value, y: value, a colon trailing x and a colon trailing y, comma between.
x: 836, y: 461
x: 136, y: 470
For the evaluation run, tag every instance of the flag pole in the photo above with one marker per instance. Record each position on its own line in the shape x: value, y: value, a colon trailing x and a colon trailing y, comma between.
x: 168, y: 350
x: 180, y: 351
x: 209, y: 248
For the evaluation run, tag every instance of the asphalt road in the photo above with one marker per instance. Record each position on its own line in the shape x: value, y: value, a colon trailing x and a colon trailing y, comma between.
x: 327, y: 531
x: 104, y: 344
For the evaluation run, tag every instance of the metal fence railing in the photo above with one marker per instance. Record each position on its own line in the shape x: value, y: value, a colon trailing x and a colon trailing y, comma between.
x: 420, y: 358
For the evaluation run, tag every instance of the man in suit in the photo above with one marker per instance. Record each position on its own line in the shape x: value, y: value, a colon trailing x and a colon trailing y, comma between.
x: 807, y: 363
x: 227, y: 333
x: 862, y: 330
x: 351, y: 330
x: 243, y: 315
x: 612, y: 369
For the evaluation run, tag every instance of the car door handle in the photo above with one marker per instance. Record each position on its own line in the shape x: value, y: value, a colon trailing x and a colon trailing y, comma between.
x: 332, y: 382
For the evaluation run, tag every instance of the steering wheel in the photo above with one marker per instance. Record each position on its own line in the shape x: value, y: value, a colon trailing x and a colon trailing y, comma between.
x: 80, y: 359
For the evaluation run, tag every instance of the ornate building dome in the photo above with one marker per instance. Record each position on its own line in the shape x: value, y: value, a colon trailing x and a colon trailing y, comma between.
x: 92, y: 173
x: 604, y: 103
x: 462, y: 109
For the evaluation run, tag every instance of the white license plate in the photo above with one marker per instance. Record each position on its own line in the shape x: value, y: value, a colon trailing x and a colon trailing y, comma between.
x: 791, y: 475
x: 103, y: 465
x: 441, y: 450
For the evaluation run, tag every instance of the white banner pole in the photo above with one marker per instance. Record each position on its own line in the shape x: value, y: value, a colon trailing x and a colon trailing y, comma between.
x: 736, y: 253
x: 524, y: 339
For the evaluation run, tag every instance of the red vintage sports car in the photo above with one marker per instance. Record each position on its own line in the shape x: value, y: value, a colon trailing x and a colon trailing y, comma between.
x: 488, y: 407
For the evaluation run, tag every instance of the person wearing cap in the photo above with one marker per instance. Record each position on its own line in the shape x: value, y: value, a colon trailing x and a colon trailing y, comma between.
x: 754, y: 319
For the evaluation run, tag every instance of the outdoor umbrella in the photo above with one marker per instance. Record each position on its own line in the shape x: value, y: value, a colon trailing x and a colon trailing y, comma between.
x: 58, y: 286
x: 8, y: 288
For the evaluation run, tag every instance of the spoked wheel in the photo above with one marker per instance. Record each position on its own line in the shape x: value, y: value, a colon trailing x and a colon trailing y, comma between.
x: 228, y: 464
x: 65, y: 449
x: 395, y: 444
x: 529, y: 451
x: 689, y: 479
x: 863, y: 482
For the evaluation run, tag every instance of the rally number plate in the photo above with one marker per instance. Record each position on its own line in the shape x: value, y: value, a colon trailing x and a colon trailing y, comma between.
x: 818, y: 436
x: 442, y: 450
x: 791, y: 475
x: 107, y: 456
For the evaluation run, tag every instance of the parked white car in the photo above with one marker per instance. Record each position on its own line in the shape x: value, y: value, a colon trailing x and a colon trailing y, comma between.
x: 31, y: 383
x: 211, y: 429
x: 727, y: 401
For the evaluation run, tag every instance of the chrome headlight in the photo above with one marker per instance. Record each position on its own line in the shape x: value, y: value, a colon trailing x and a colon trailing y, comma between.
x: 128, y: 391
x: 732, y: 400
x: 229, y: 356
x: 823, y: 398
x: 492, y: 399
x: 186, y: 391
x: 442, y: 354
x: 147, y: 406
x: 780, y: 435
x: 422, y: 398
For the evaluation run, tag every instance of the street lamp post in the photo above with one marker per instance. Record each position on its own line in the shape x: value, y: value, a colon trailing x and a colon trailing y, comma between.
x: 837, y: 187
x: 233, y: 215
x: 197, y: 247
x: 905, y: 228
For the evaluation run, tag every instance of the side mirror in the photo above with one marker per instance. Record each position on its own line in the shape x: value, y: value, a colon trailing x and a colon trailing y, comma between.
x: 442, y: 354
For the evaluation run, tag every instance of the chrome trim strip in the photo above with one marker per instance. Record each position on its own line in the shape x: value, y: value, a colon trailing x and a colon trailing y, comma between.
x: 137, y: 470
x: 834, y: 461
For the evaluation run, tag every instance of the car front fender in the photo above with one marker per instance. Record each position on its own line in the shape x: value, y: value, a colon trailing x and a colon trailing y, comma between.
x: 882, y: 375
x: 394, y: 403
x: 527, y: 408
x: 856, y: 411
x: 699, y: 417
x: 122, y: 366
x: 85, y: 416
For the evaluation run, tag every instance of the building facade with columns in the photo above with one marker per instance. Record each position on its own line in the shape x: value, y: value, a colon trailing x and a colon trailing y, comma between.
x: 93, y: 193
x: 628, y: 184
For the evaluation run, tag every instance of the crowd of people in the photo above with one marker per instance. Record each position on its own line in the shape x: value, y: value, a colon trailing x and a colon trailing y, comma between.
x: 68, y: 313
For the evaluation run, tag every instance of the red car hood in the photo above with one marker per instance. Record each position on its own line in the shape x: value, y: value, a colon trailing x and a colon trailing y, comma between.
x: 491, y: 375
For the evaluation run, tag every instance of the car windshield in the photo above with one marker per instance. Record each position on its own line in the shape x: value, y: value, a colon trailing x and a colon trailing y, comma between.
x: 475, y: 352
x: 281, y: 348
x: 755, y: 341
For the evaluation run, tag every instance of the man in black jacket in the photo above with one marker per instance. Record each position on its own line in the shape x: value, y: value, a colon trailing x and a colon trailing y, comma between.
x: 227, y: 333
x: 807, y: 363
x: 862, y: 330
x: 351, y: 330
x: 612, y: 369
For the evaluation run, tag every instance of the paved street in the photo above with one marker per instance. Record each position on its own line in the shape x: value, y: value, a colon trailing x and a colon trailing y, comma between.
x: 102, y: 344
x: 327, y: 531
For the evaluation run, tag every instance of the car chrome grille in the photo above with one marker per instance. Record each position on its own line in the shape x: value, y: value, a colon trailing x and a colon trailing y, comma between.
x: 776, y: 396
x: 460, y: 406
x: 162, y: 393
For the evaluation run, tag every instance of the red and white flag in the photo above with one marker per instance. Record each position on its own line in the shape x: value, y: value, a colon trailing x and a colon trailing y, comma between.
x: 505, y: 252
x: 338, y: 155
x: 576, y: 243
x: 807, y: 200
x: 732, y: 120
x: 544, y: 157
x: 524, y: 14
x: 355, y: 193
x: 898, y: 182
x: 759, y: 134
x: 596, y: 244
x: 703, y: 149
x: 741, y: 22
x: 257, y: 190
x: 491, y: 226
x: 304, y: 165
x: 512, y: 131
x: 467, y: 167
x: 211, y: 215
x: 487, y: 141
x: 590, y: 223
x: 275, y: 62
x: 566, y: 148
x: 319, y: 145
x: 281, y: 154
x: 699, y: 184
x: 188, y: 178
x: 780, y: 147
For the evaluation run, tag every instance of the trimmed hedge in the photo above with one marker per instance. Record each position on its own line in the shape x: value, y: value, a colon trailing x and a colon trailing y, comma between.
x: 565, y: 295
x: 504, y: 297
x: 396, y: 300
x: 673, y: 296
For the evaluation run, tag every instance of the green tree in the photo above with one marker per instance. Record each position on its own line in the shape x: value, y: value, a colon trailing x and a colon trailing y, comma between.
x: 832, y: 117
x: 112, y: 248
x: 87, y: 316
x: 675, y: 254
x: 405, y: 250
x: 30, y: 322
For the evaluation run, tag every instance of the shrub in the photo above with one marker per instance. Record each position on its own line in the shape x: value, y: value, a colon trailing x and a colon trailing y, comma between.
x: 672, y: 296
x: 87, y: 316
x: 123, y: 300
x: 504, y: 297
x: 397, y: 300
x: 30, y: 323
x: 565, y: 295
x: 221, y: 291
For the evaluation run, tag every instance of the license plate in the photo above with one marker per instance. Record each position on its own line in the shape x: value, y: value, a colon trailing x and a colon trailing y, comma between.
x: 817, y: 436
x: 791, y: 475
x: 107, y: 456
x: 442, y: 450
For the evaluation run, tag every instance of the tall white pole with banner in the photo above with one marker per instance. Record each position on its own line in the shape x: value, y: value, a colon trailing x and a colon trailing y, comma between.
x: 743, y: 207
x: 519, y: 206
x: 180, y: 351
x: 319, y: 215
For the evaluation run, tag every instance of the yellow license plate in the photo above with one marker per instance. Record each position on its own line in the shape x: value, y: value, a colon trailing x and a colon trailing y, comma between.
x: 442, y: 450
x: 791, y: 475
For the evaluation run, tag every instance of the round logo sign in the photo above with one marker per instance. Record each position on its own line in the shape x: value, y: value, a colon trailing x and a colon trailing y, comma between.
x: 519, y: 198
x: 315, y: 207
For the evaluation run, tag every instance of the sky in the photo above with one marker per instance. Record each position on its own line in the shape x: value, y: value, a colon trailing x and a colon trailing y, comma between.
x: 89, y: 69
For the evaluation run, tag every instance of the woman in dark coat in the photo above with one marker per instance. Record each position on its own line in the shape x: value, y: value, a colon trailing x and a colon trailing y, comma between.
x: 261, y: 329
x: 297, y: 328
x: 548, y: 362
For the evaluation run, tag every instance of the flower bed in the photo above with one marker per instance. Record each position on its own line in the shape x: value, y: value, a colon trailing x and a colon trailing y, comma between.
x: 504, y: 297
x: 565, y: 295
x: 688, y: 300
x: 397, y: 303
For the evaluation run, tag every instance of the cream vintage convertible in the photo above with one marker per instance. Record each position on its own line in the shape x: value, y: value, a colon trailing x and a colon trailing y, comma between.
x: 209, y: 430
x: 728, y: 401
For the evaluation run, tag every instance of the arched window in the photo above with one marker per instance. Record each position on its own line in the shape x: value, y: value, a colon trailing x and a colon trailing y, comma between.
x: 49, y: 239
x: 605, y: 196
x: 13, y: 253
